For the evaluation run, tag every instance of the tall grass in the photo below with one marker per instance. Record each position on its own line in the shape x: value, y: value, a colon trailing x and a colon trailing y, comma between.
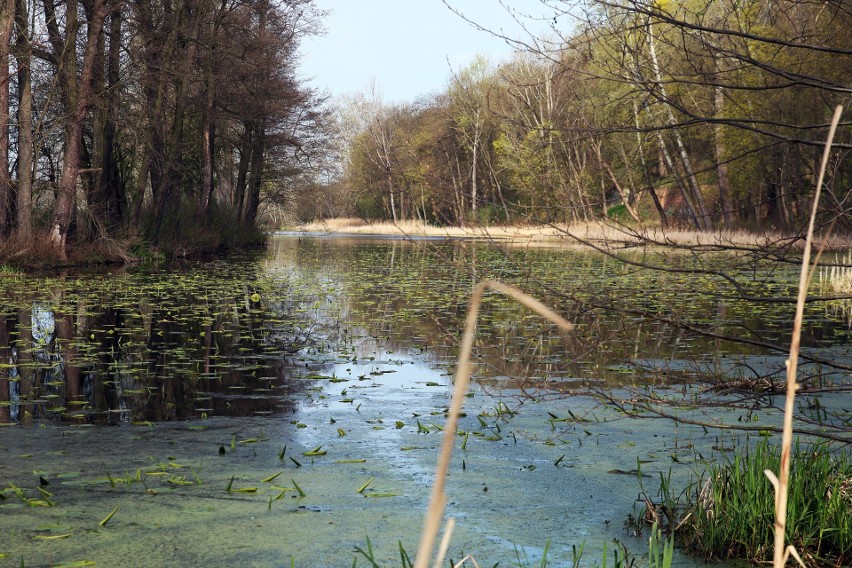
x: 730, y: 512
x: 837, y: 279
x: 560, y: 234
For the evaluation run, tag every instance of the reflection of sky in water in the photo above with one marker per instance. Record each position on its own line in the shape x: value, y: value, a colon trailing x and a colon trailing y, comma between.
x: 43, y: 324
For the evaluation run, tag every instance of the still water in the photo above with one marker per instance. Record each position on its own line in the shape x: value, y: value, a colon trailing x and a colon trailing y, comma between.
x: 286, y: 407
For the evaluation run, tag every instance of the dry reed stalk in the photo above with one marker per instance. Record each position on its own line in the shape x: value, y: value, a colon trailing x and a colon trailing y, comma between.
x: 555, y: 234
x: 438, y: 499
x: 445, y: 541
x: 780, y: 482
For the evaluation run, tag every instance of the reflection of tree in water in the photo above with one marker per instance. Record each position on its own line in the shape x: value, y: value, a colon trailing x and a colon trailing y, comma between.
x: 168, y: 356
x: 629, y: 319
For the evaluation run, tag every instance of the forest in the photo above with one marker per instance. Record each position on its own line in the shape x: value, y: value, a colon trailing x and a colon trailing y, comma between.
x: 183, y: 125
x: 152, y: 123
x: 703, y: 114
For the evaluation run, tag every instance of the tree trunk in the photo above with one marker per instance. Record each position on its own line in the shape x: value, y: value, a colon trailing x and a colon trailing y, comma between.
x: 687, y: 197
x: 7, y: 17
x: 255, y: 175
x: 645, y: 174
x: 720, y: 150
x: 242, y: 172
x: 702, y: 216
x: 23, y: 56
x: 474, y: 194
x: 107, y: 195
x: 389, y: 179
x: 167, y: 190
x: 208, y: 129
x: 77, y: 96
x: 625, y: 199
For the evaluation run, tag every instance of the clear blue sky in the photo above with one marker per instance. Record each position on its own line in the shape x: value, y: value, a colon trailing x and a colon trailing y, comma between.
x: 405, y: 45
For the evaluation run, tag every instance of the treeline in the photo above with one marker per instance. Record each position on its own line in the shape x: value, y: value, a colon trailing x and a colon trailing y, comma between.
x: 703, y: 113
x: 171, y: 121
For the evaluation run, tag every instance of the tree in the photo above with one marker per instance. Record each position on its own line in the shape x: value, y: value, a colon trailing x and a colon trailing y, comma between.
x: 26, y: 149
x: 170, y: 111
x: 469, y: 94
x: 7, y: 20
x: 76, y: 94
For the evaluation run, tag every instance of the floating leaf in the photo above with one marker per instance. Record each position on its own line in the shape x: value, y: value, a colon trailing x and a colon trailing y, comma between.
x: 52, y: 537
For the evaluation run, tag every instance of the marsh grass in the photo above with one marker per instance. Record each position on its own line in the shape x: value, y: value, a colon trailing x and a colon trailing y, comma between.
x: 729, y: 512
x: 837, y: 278
x: 562, y: 235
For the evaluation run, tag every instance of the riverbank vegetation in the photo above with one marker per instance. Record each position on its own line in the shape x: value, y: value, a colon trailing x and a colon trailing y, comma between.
x: 183, y: 126
x: 728, y: 510
x: 691, y: 114
x: 140, y: 125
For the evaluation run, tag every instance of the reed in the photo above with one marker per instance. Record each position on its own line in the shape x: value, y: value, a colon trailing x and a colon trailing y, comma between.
x: 781, y: 480
x: 837, y: 279
x: 438, y: 499
x: 729, y: 510
x: 573, y: 234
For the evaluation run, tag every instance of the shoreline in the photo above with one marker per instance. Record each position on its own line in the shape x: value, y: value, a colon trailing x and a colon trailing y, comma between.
x: 578, y: 234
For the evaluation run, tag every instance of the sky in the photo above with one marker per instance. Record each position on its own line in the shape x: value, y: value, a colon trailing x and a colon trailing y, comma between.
x: 408, y: 47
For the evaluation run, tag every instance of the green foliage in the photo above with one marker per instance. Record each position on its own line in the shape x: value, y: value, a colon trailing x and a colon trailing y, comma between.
x: 8, y: 270
x: 731, y: 511
x: 490, y: 215
x: 369, y: 206
x: 559, y: 136
x: 618, y: 213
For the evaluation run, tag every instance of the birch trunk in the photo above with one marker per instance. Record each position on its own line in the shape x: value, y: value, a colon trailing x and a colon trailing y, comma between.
x: 701, y: 214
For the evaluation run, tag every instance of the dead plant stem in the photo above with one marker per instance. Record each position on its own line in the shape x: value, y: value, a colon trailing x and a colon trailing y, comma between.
x: 780, y: 482
x: 438, y: 499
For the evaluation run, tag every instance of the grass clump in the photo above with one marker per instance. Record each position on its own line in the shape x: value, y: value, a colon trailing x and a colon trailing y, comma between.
x: 837, y: 278
x: 731, y: 511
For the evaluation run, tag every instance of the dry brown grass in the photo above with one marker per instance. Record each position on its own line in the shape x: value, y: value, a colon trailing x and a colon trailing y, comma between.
x: 39, y: 253
x: 34, y: 252
x: 564, y: 235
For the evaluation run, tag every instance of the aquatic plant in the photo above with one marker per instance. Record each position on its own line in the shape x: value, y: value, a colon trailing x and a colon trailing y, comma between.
x: 728, y: 510
x: 837, y: 277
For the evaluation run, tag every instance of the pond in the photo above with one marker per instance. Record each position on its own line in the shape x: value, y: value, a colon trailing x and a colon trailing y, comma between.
x: 287, y: 406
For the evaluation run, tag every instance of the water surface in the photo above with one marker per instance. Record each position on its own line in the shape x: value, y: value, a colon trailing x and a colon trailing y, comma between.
x: 229, y: 412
